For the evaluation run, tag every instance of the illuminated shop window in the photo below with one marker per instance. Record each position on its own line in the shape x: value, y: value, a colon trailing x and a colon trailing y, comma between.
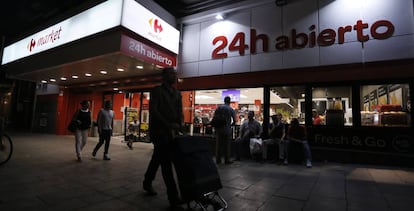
x: 288, y: 101
x: 385, y: 105
x: 242, y: 101
x: 332, y: 106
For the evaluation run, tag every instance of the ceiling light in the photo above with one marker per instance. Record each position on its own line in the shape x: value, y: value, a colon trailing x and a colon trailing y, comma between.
x: 116, y: 89
x: 219, y: 17
x: 63, y: 78
x: 103, y: 72
x: 43, y: 81
x: 52, y: 80
x: 140, y: 67
x: 75, y: 76
x: 88, y: 74
x: 120, y: 70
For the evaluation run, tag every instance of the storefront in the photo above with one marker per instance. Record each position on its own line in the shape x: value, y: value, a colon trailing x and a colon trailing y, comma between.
x: 114, y: 51
x: 349, y: 62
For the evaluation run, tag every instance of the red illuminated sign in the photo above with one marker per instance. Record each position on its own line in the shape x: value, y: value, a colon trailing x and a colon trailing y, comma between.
x: 380, y: 30
x: 146, y: 53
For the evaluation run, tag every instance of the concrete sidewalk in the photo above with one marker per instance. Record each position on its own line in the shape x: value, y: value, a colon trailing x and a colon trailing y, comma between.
x: 43, y: 174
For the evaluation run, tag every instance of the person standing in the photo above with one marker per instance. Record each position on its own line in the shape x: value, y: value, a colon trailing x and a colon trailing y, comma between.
x: 83, y: 120
x: 224, y: 131
x: 166, y: 120
x: 105, y: 123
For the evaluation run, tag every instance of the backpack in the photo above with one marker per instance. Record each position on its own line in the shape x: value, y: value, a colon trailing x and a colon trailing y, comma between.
x: 219, y: 118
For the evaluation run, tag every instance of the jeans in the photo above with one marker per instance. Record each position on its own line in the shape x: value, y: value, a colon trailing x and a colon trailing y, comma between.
x: 81, y: 136
x: 306, y: 150
x: 268, y: 142
x: 104, y: 137
x: 222, y: 147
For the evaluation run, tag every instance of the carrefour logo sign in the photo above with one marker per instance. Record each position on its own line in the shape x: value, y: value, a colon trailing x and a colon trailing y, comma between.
x: 45, y: 39
x: 155, y: 25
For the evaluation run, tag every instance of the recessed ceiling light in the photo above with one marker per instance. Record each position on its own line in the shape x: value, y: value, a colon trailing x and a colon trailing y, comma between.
x: 140, y: 67
x: 88, y: 74
x: 115, y: 82
x: 219, y: 17
x: 43, y: 81
x: 75, y: 76
x: 116, y: 89
x: 52, y: 80
x: 120, y: 70
x: 103, y: 72
x: 63, y: 78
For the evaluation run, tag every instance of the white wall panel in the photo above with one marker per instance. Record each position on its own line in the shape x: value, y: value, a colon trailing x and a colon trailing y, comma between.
x: 188, y: 70
x: 304, y: 58
x: 340, y: 13
x: 399, y: 12
x: 237, y: 64
x: 299, y: 15
x: 261, y: 17
x: 272, y: 21
x: 211, y: 67
x: 266, y: 61
x: 190, y: 48
x: 209, y: 30
x: 239, y: 22
x: 341, y: 54
x: 395, y: 48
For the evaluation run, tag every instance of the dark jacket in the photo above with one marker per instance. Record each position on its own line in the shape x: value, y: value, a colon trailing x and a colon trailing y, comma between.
x: 165, y: 110
x: 84, y: 118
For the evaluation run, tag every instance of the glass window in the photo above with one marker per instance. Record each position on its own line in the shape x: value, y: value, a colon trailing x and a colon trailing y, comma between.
x: 385, y: 105
x: 242, y: 101
x: 332, y: 106
x: 288, y: 101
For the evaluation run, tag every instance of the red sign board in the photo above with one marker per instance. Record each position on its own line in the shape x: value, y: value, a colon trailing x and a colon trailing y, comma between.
x: 147, y: 53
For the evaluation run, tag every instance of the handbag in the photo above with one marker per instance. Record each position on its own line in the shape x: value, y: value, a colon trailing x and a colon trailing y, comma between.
x: 72, y: 126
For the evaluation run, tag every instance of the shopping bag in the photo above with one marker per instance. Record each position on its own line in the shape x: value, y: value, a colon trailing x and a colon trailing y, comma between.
x: 255, y: 146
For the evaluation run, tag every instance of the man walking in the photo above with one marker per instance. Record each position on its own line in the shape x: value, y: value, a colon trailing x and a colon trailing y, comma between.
x: 105, y: 122
x: 166, y: 120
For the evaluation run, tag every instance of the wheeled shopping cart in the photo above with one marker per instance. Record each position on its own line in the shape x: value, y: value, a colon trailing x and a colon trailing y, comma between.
x: 197, y: 174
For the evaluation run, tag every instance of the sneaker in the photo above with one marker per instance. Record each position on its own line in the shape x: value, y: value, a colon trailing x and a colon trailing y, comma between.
x: 285, y: 162
x: 106, y: 157
x: 79, y: 159
x: 149, y: 189
x: 308, y: 164
x: 129, y: 144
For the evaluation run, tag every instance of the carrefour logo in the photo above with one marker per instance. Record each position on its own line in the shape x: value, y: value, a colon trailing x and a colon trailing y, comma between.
x: 51, y: 37
x: 155, y: 25
x: 31, y: 45
x: 155, y: 29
